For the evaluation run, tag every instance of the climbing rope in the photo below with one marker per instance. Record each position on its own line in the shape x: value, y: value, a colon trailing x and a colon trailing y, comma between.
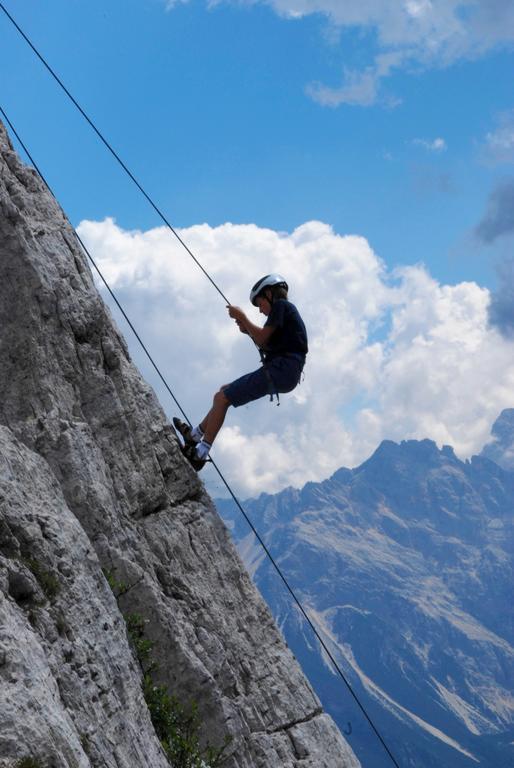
x: 168, y: 388
x: 220, y: 474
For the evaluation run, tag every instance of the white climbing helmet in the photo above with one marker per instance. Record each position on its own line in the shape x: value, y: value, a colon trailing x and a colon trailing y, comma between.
x: 266, y: 282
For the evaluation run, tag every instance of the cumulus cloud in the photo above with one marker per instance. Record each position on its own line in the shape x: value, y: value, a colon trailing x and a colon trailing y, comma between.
x: 392, y: 355
x: 498, y: 219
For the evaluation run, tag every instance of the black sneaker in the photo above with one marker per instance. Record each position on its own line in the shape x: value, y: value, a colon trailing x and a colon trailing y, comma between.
x: 189, y: 451
x: 185, y: 430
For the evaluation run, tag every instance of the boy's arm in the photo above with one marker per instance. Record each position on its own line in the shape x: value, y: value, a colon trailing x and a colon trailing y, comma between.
x: 258, y: 334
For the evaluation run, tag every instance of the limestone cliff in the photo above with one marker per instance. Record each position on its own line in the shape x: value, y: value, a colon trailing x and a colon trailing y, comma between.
x: 92, y: 481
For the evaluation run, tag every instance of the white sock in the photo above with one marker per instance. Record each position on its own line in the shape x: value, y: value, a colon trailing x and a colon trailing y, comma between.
x: 197, y: 434
x: 202, y: 449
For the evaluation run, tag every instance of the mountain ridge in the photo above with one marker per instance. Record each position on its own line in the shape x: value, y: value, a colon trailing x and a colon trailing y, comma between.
x: 405, y: 564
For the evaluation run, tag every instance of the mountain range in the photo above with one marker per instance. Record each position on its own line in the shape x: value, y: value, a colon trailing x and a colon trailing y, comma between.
x: 405, y: 565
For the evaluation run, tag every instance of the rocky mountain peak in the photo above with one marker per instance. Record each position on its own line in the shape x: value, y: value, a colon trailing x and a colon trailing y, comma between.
x: 390, y: 455
x: 501, y: 447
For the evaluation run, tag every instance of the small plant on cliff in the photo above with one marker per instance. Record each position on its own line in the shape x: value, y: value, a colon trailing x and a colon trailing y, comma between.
x: 28, y: 762
x: 118, y: 588
x: 142, y: 645
x: 47, y: 581
x: 178, y: 729
x: 176, y: 726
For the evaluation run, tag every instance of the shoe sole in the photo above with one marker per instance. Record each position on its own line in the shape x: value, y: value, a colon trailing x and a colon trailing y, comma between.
x: 190, y: 454
x: 184, y: 431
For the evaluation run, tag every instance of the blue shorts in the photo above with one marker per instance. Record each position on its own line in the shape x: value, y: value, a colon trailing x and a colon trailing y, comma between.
x: 281, y: 374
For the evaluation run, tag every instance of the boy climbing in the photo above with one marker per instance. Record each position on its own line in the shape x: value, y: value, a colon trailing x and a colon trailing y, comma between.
x: 282, y: 343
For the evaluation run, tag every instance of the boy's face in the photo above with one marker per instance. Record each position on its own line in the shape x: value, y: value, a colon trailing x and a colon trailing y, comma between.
x: 264, y: 303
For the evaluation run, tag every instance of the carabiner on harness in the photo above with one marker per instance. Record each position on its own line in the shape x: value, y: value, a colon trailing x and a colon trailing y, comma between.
x: 272, y: 388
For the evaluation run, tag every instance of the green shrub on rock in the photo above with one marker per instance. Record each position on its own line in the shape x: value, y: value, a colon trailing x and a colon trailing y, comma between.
x: 177, y: 726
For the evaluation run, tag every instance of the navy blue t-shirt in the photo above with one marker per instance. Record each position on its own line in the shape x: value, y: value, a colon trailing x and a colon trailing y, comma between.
x: 290, y: 335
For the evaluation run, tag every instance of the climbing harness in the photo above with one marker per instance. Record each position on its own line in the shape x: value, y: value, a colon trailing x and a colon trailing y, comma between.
x: 271, y: 385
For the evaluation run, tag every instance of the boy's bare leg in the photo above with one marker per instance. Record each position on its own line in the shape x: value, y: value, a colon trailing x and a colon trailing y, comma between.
x: 213, y: 422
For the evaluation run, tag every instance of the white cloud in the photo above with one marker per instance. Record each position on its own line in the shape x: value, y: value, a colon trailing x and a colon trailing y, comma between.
x: 431, y: 145
x: 429, y: 33
x: 427, y: 29
x: 391, y: 355
x: 170, y: 4
x: 499, y: 143
x: 358, y: 88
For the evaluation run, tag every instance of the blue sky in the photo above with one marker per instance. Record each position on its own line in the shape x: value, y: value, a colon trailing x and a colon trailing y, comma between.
x: 393, y: 122
x: 209, y: 108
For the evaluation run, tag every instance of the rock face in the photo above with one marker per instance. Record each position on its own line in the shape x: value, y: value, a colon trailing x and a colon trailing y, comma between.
x: 69, y: 686
x: 92, y: 478
x: 407, y: 566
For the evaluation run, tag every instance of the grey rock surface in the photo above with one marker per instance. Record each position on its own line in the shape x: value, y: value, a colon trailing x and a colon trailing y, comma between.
x: 70, y: 691
x: 93, y: 478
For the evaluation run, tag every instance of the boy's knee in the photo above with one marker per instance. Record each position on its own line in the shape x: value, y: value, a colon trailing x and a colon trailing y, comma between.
x: 220, y: 398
